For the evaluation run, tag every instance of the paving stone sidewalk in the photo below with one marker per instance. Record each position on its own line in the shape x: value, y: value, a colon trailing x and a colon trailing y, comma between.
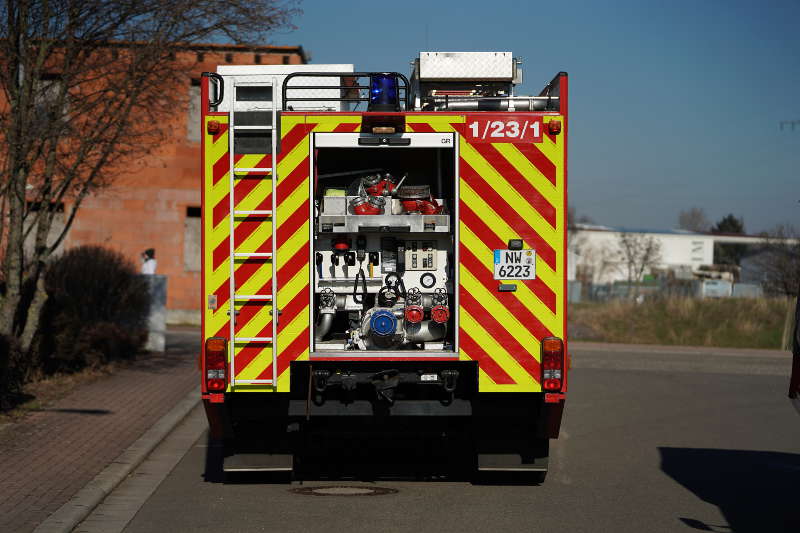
x: 53, y: 453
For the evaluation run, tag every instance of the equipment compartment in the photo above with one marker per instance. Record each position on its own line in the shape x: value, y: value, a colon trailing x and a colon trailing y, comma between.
x: 384, y: 229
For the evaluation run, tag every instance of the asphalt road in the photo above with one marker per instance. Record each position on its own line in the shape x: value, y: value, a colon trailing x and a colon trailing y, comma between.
x: 654, y: 439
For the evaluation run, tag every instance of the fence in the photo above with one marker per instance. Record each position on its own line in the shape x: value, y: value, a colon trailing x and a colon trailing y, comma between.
x: 579, y: 291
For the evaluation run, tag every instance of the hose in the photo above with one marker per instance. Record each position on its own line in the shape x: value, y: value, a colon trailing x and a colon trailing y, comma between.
x: 356, y: 298
x: 324, y: 326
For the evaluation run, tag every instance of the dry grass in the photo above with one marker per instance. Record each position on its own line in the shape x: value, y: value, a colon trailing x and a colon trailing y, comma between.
x: 732, y: 322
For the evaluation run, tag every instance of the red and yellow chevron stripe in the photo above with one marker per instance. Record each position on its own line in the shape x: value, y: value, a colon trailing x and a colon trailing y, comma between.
x: 253, y: 275
x: 507, y: 191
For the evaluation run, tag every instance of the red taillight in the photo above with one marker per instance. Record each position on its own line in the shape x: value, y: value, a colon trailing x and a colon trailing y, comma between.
x: 552, y: 364
x: 216, y: 364
x: 213, y: 127
x: 554, y: 127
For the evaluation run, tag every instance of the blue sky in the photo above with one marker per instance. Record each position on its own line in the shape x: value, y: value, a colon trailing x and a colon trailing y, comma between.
x: 673, y: 104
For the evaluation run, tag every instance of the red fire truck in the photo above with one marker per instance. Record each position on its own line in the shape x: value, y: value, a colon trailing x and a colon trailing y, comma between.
x: 384, y: 255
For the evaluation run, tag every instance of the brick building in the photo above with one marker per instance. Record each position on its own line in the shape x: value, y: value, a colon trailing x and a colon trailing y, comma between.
x: 157, y: 204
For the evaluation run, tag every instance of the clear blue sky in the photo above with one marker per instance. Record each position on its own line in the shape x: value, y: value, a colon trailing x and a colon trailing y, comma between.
x: 673, y: 104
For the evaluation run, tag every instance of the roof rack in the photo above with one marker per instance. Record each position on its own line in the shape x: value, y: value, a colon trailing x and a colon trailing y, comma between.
x: 349, y: 88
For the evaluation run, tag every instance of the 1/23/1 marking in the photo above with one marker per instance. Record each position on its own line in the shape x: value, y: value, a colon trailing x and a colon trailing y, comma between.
x: 504, y: 128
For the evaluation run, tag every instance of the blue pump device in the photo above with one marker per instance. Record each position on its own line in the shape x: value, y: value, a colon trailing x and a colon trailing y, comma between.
x: 383, y: 323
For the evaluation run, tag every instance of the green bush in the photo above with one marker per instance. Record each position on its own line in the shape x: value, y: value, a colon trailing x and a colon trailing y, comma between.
x: 96, y: 310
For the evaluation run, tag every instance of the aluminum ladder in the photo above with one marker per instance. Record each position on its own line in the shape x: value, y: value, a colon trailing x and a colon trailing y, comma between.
x: 267, y: 173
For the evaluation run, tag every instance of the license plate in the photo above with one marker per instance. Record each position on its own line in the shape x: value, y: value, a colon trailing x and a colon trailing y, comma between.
x: 514, y: 264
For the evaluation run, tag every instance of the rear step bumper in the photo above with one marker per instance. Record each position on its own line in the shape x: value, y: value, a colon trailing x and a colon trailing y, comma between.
x: 258, y: 462
x: 455, y: 407
x: 510, y: 463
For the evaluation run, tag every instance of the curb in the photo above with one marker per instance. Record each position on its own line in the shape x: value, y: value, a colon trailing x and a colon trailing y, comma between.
x: 69, y: 515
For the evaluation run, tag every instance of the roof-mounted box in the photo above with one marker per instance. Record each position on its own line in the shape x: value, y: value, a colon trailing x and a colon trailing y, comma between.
x: 465, y: 66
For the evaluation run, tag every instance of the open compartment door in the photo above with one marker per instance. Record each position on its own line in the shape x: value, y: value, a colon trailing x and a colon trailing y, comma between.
x: 383, y: 245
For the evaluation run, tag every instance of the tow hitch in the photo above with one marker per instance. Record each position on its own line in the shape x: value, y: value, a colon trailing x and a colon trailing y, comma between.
x: 385, y: 383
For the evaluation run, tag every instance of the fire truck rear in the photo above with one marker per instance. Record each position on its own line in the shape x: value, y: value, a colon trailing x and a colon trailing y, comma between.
x: 384, y: 257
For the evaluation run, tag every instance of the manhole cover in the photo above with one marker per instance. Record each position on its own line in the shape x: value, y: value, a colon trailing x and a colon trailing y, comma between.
x: 343, y: 490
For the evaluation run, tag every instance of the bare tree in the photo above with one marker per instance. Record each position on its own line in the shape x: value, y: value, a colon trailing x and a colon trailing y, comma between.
x: 87, y: 91
x: 778, y: 261
x: 693, y: 219
x: 575, y: 243
x: 637, y: 253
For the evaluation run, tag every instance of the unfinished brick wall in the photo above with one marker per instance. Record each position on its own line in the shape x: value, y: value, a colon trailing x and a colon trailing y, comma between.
x: 149, y: 203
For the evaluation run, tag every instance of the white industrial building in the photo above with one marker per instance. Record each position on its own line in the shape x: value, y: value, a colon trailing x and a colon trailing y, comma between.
x: 595, y: 254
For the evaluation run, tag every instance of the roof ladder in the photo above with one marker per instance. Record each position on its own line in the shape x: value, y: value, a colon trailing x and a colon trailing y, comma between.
x: 234, y: 174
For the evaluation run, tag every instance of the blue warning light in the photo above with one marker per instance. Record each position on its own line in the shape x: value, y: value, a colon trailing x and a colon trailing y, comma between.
x: 384, y: 94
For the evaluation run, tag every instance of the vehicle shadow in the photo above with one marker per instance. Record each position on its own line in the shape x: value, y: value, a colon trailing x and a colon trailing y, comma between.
x: 425, y: 461
x: 755, y: 490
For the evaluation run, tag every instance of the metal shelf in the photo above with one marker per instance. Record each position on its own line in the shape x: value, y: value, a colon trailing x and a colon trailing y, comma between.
x: 337, y: 217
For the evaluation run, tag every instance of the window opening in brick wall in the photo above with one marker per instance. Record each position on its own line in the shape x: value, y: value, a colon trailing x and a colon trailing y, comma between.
x: 47, y: 93
x: 193, y: 113
x: 257, y: 59
x: 191, y: 239
x: 286, y: 60
x: 229, y: 58
x: 37, y: 206
x: 201, y: 57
